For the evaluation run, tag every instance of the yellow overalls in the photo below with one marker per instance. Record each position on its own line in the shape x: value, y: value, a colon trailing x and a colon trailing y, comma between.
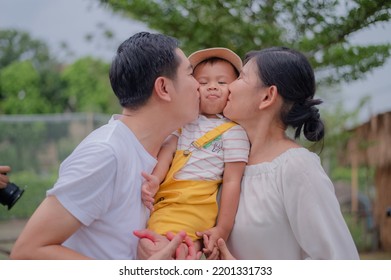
x: 185, y: 204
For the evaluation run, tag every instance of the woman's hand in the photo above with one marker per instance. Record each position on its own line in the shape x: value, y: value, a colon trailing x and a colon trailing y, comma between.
x: 225, y: 254
x: 210, y: 238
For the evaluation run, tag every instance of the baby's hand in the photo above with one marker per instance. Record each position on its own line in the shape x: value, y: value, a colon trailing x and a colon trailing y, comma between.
x: 210, y: 238
x: 149, y: 189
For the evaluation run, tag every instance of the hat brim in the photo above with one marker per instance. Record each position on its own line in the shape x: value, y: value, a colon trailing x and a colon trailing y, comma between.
x: 224, y: 53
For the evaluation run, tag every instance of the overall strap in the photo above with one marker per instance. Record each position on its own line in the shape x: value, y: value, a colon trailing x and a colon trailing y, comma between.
x: 212, y: 134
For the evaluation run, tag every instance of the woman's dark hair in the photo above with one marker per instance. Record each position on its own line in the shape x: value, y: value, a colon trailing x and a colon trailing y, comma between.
x: 139, y: 61
x: 292, y: 74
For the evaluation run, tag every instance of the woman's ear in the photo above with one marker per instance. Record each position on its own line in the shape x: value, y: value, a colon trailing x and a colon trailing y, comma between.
x: 162, y: 88
x: 269, y: 97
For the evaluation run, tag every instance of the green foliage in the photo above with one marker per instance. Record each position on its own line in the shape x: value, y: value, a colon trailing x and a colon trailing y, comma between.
x: 87, y: 87
x: 362, y: 236
x: 344, y: 174
x: 320, y: 28
x: 337, y: 133
x: 29, y: 76
x: 17, y: 46
x: 21, y: 90
x: 32, y: 82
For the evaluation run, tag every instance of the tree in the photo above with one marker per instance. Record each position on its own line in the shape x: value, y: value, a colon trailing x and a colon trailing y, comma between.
x: 87, y: 87
x: 33, y: 82
x: 18, y: 45
x: 320, y: 28
x: 21, y: 90
x: 29, y: 75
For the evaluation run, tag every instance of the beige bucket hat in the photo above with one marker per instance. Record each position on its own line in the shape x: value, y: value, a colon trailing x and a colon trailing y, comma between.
x: 224, y: 53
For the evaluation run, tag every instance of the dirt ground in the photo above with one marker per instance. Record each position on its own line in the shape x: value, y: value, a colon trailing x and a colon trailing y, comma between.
x: 9, y: 231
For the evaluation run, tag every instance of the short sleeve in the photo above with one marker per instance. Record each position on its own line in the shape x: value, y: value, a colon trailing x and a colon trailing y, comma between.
x: 86, y: 180
x: 236, y: 145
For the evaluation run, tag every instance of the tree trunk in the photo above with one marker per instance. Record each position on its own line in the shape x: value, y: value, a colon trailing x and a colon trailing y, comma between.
x: 383, y: 202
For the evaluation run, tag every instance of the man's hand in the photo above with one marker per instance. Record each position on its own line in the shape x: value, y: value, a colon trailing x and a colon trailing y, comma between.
x: 157, y: 247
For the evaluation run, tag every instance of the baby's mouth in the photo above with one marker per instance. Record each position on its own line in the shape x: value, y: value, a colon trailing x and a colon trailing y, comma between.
x: 213, y: 96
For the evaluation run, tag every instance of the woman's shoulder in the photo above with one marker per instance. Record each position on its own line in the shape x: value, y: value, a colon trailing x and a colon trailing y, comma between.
x: 292, y: 158
x: 298, y: 157
x: 299, y: 152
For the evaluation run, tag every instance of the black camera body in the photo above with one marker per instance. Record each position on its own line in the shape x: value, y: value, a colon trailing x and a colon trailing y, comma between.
x: 10, y: 195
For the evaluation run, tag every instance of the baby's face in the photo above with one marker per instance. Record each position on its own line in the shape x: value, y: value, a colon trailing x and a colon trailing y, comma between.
x: 214, y: 80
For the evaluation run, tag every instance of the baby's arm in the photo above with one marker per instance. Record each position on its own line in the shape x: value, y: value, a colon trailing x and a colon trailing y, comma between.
x: 151, y: 185
x: 230, y: 192
x: 229, y: 202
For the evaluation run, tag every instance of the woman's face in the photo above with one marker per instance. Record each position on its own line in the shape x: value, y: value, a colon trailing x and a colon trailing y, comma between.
x: 244, y: 98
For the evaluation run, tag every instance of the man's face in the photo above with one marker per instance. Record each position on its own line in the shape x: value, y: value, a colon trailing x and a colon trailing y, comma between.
x: 186, y: 96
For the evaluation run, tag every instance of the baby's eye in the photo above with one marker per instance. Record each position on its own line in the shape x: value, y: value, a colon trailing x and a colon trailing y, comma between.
x: 202, y: 83
x: 222, y: 83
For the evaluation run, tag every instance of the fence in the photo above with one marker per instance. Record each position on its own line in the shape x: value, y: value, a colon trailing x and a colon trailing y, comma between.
x: 34, y: 146
x: 40, y: 142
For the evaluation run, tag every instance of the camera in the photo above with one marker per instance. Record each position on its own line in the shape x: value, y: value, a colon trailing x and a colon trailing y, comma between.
x: 10, y: 195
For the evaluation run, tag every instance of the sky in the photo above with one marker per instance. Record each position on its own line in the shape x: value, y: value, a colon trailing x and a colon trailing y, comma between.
x: 56, y: 21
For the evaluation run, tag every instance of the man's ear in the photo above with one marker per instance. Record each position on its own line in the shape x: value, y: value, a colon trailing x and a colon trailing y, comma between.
x: 269, y: 97
x: 162, y: 88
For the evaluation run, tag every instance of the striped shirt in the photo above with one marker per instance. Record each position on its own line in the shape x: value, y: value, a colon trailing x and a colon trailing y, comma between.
x: 207, y: 163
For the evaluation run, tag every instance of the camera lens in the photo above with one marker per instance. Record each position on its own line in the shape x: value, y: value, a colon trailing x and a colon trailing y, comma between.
x: 10, y: 195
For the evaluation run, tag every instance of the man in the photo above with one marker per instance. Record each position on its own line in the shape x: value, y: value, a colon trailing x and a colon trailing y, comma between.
x: 95, y: 205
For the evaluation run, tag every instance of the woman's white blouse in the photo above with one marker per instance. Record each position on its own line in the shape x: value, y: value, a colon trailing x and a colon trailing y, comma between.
x: 288, y: 210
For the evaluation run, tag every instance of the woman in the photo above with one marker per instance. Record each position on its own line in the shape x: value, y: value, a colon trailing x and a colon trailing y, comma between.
x: 288, y: 208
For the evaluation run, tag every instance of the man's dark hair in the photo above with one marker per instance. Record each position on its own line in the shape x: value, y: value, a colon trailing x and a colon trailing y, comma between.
x: 139, y: 61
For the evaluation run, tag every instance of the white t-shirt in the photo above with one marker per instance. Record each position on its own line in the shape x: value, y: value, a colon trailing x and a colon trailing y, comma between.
x: 207, y: 163
x: 288, y: 210
x: 100, y: 184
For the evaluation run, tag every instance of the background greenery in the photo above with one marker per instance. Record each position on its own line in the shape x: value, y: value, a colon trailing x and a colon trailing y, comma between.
x: 34, y: 81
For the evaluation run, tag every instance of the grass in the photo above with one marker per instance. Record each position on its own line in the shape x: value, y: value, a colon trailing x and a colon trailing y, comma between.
x: 377, y: 255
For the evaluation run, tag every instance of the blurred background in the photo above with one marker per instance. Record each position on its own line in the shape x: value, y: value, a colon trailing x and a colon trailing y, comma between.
x: 54, y: 87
